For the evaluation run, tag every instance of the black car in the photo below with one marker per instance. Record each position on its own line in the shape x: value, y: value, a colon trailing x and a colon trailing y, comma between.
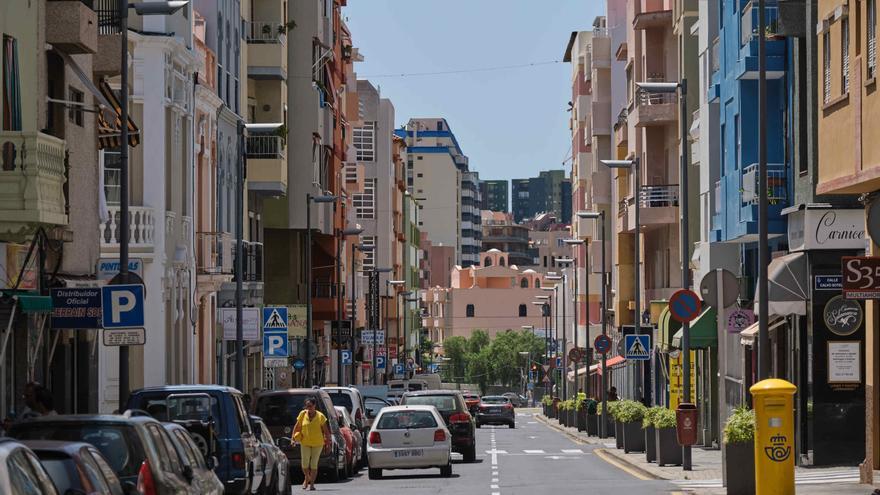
x: 76, y: 467
x: 459, y: 421
x: 495, y: 410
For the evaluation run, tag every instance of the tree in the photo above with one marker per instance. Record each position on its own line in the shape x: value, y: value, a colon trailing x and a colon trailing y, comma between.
x: 455, y: 349
x: 479, y: 339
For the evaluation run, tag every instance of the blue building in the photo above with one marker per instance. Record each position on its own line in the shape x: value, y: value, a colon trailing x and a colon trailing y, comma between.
x: 735, y: 89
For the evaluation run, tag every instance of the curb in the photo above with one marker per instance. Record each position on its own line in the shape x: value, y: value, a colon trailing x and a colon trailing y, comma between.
x: 561, y: 429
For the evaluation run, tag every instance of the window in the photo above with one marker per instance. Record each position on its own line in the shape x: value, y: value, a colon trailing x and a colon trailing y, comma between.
x: 11, y: 86
x: 872, y: 38
x: 523, y: 311
x: 369, y: 256
x: 537, y: 284
x: 469, y: 311
x: 501, y: 261
x: 487, y: 261
x: 524, y: 283
x: 112, y: 170
x: 364, y: 139
x: 844, y: 55
x: 440, y: 125
x: 826, y: 67
x: 365, y: 202
x: 74, y: 112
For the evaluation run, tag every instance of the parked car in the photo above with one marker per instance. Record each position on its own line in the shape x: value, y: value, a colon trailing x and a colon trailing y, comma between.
x: 471, y: 400
x: 350, y: 446
x: 359, y: 454
x: 409, y: 437
x: 516, y: 399
x: 353, y: 402
x: 276, y: 472
x: 76, y: 467
x: 196, y: 469
x: 21, y: 471
x: 452, y: 408
x: 495, y: 410
x: 279, y: 409
x: 234, y: 445
x: 136, y: 447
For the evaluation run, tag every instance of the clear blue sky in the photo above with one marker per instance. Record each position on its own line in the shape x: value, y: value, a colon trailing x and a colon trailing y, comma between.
x: 511, y: 123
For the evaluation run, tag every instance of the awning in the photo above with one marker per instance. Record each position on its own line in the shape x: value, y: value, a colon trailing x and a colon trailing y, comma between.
x: 788, y: 286
x: 703, y: 331
x: 110, y: 133
x: 666, y: 326
x: 750, y: 334
x: 610, y: 363
x: 30, y: 301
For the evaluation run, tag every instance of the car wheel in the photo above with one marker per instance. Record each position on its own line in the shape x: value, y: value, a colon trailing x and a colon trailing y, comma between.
x: 334, y: 473
x: 470, y: 455
x: 511, y: 425
x: 478, y: 425
x: 446, y: 471
x: 374, y: 473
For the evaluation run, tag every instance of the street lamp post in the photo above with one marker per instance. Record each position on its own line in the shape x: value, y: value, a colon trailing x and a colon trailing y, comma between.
x: 308, y: 340
x: 528, y: 356
x: 400, y: 295
x: 573, y: 243
x: 563, y: 278
x: 342, y: 234
x: 681, y: 87
x: 601, y: 214
x: 362, y: 248
x: 141, y: 8
x: 406, y: 315
x: 388, y: 284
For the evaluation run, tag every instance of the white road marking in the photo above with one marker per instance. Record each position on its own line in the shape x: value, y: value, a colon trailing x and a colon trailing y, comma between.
x: 572, y: 451
x: 494, y: 487
x: 534, y: 451
x: 494, y: 480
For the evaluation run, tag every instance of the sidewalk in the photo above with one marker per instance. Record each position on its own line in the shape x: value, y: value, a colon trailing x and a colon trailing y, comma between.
x: 705, y: 478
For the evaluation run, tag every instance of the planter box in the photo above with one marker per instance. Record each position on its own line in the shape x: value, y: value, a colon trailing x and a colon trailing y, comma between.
x: 633, y: 437
x: 582, y: 420
x: 650, y: 444
x: 739, y: 468
x: 668, y: 449
x: 593, y: 425
x: 618, y: 434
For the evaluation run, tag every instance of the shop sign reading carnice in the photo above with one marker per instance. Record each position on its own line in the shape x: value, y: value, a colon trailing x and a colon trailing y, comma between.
x: 826, y: 229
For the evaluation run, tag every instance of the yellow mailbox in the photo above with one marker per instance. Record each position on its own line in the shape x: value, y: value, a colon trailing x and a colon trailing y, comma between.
x: 774, y: 436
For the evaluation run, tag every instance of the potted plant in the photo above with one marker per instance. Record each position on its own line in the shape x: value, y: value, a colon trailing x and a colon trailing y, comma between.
x: 739, y: 452
x: 648, y: 427
x: 630, y: 414
x: 617, y: 425
x: 668, y: 449
x: 563, y: 413
x: 571, y: 412
x: 587, y: 416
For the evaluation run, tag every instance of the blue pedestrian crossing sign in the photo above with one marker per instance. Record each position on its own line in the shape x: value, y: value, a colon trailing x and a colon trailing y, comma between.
x: 638, y: 347
x: 275, y: 319
x: 346, y: 356
x: 122, y: 306
x: 380, y: 362
x: 275, y: 345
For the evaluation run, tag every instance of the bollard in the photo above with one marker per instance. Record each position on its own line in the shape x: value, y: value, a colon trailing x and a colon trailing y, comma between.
x: 774, y: 436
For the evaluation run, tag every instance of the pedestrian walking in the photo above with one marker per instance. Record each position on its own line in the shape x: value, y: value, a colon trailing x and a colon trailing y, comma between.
x: 313, y: 435
x: 612, y: 394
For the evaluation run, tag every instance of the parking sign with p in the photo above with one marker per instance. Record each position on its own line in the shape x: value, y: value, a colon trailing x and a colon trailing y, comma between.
x: 274, y: 345
x: 122, y: 306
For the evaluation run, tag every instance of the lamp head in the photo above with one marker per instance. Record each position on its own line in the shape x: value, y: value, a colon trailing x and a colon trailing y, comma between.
x: 618, y: 163
x: 658, y: 87
x: 328, y: 198
x: 158, y: 8
x: 589, y: 214
x: 573, y: 242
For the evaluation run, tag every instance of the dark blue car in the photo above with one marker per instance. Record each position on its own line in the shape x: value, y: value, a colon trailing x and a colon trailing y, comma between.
x: 234, y: 445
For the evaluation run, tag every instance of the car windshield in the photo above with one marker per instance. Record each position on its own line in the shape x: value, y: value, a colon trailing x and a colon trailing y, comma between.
x: 341, y: 399
x: 495, y: 400
x: 471, y: 397
x: 155, y: 405
x: 396, y: 420
x: 441, y: 402
x: 282, y: 409
x: 119, y: 444
x: 62, y: 471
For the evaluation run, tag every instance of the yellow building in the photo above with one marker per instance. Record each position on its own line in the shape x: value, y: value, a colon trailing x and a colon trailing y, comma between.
x: 849, y: 151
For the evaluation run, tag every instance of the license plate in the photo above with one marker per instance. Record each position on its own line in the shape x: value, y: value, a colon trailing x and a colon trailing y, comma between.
x: 409, y: 453
x: 494, y: 410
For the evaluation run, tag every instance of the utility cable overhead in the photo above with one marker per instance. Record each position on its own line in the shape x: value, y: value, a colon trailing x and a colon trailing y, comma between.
x: 453, y: 71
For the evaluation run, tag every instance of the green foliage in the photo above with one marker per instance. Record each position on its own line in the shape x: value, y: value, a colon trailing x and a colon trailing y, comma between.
x: 664, y: 418
x: 629, y: 411
x: 650, y: 414
x: 740, y: 426
x: 547, y: 400
x: 589, y: 404
x: 484, y: 361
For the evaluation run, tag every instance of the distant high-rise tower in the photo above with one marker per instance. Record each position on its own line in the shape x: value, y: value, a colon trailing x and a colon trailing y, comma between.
x: 495, y: 195
x: 549, y: 192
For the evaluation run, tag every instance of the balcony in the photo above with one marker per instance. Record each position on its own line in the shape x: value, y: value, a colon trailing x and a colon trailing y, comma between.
x: 658, y: 206
x: 747, y: 65
x: 267, y: 165
x: 72, y: 26
x: 621, y: 131
x: 214, y: 253
x: 600, y: 118
x: 777, y: 184
x: 32, y: 177
x: 141, y: 231
x: 267, y: 50
x: 252, y: 268
x: 653, y: 19
x: 324, y: 293
x: 656, y: 109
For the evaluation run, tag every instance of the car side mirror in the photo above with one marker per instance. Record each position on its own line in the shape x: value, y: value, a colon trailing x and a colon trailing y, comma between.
x: 371, y: 413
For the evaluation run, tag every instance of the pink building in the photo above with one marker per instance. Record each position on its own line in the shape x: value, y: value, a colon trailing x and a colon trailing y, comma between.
x: 493, y: 298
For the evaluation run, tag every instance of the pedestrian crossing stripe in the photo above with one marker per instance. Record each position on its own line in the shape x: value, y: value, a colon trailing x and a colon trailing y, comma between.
x: 638, y: 347
x: 275, y: 320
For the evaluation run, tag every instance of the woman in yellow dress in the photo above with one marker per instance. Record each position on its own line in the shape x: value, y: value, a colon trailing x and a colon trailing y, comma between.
x: 313, y: 435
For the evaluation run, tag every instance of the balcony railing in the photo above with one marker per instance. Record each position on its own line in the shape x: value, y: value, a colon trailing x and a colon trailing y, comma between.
x: 646, y: 98
x: 777, y: 184
x: 141, y: 228
x: 326, y: 290
x: 717, y: 198
x: 266, y: 32
x: 33, y: 173
x: 716, y: 54
x: 214, y: 253
x: 265, y: 147
x: 750, y: 21
x: 109, y: 21
x: 253, y: 261
x: 658, y: 196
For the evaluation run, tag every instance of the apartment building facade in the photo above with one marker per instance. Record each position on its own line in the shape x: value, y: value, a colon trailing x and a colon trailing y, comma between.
x: 495, y: 195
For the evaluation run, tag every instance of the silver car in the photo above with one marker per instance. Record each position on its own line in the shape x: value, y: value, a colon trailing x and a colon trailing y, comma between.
x: 409, y: 437
x: 21, y: 471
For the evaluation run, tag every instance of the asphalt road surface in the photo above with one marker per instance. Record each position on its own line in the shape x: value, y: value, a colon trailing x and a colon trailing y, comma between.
x: 527, y: 460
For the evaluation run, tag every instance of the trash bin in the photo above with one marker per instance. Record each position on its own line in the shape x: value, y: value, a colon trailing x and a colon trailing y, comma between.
x: 686, y: 417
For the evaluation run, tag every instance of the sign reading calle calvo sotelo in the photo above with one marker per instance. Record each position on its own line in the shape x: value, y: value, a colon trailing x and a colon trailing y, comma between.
x: 826, y: 228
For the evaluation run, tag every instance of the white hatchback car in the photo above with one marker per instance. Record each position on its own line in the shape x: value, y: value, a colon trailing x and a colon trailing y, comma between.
x: 409, y: 437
